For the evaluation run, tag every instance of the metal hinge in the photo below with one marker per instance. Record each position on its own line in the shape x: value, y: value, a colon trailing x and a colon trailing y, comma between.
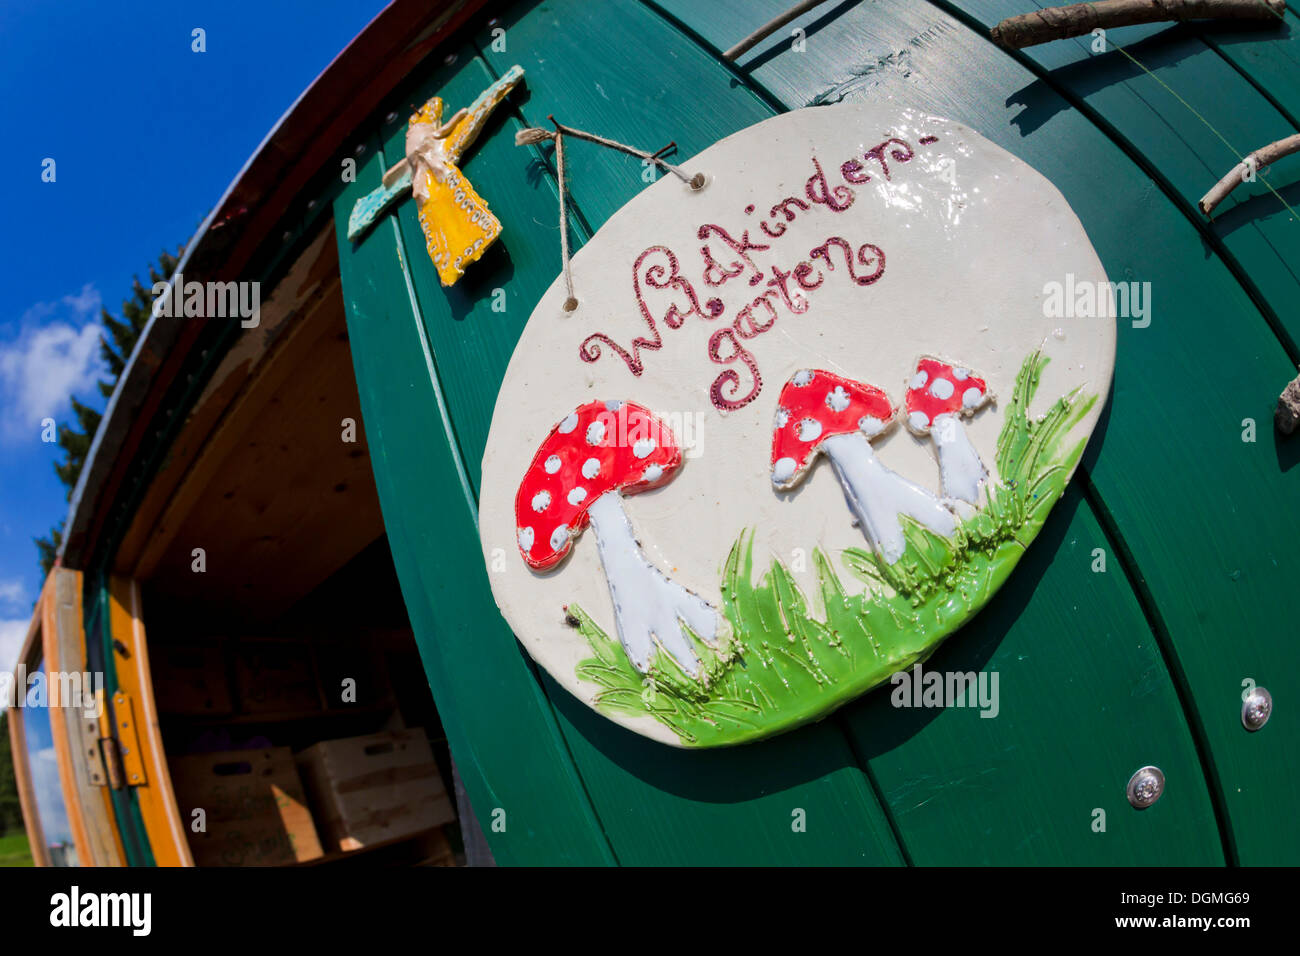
x: 89, y: 729
x: 127, y: 742
x: 112, y: 762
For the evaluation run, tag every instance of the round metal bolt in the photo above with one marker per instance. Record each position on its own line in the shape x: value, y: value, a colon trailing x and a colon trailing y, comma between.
x: 1145, y: 787
x: 360, y: 149
x: 391, y: 117
x: 1256, y: 709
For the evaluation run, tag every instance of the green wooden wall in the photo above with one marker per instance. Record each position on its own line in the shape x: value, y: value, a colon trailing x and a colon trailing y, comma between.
x: 1101, y: 673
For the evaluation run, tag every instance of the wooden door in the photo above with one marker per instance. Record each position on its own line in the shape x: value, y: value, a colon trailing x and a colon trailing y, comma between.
x: 1102, y: 672
x: 60, y: 730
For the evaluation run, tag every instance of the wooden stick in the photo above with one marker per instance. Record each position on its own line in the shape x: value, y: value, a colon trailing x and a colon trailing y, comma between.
x: 1255, y: 161
x: 1287, y: 416
x: 1060, y: 23
x: 767, y: 29
x: 695, y: 182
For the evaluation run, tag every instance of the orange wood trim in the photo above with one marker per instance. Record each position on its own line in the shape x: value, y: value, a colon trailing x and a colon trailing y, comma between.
x: 18, y: 742
x: 106, y: 797
x: 67, y: 636
x: 26, y: 796
x: 157, y: 800
x: 59, y: 729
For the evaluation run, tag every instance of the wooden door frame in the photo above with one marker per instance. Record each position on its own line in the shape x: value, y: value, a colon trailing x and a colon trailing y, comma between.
x: 154, y: 795
x: 56, y: 642
x: 28, y: 657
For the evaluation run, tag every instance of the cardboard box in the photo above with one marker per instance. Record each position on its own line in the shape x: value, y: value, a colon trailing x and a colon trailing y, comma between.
x: 255, y: 810
x: 370, y: 789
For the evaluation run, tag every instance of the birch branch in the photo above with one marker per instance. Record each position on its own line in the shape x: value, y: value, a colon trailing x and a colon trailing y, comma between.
x: 1251, y: 164
x: 1060, y: 23
x: 767, y: 29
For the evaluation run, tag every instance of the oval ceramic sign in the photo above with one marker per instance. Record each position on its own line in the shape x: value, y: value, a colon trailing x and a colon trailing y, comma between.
x: 802, y: 425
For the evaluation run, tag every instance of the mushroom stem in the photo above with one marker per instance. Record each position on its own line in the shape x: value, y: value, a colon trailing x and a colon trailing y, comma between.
x: 647, y: 605
x: 877, y: 496
x: 960, y: 468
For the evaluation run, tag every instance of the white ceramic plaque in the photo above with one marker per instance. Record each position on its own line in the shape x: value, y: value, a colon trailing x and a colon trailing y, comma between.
x: 802, y: 425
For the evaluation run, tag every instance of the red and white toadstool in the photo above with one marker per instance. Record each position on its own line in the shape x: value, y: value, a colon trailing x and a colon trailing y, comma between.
x: 589, y: 461
x: 938, y: 397
x: 821, y: 411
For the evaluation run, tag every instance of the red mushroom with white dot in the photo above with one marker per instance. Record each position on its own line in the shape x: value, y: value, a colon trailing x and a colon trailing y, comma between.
x: 580, y: 474
x: 820, y: 411
x: 938, y: 397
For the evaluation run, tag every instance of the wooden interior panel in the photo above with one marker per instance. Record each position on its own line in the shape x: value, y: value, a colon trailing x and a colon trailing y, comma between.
x: 313, y: 277
x: 277, y: 499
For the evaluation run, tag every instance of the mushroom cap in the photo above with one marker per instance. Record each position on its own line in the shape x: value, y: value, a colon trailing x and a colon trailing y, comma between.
x: 815, y: 405
x: 939, y: 388
x: 599, y: 447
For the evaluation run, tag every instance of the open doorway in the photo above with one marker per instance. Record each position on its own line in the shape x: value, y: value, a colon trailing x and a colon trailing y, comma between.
x: 292, y: 705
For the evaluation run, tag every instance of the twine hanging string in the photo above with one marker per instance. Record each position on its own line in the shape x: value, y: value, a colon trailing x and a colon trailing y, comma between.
x: 533, y: 135
x: 571, y: 302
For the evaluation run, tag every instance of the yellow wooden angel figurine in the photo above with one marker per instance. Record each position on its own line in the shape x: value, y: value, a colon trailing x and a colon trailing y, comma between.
x: 458, y: 226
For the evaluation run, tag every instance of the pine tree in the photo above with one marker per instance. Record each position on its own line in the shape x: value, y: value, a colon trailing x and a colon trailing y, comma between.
x: 48, y: 548
x: 115, y: 348
x: 116, y: 344
x: 76, y: 444
x: 11, y: 812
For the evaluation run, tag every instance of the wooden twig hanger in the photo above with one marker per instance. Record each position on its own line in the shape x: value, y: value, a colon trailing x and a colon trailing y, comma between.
x: 533, y: 135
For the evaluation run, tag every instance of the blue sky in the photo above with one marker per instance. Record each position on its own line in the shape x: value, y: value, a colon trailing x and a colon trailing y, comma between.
x: 146, y: 135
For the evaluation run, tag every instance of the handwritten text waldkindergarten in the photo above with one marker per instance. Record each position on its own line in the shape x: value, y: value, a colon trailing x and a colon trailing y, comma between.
x: 724, y: 258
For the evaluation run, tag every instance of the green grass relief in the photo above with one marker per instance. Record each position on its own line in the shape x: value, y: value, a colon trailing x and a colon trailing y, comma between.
x: 783, y: 665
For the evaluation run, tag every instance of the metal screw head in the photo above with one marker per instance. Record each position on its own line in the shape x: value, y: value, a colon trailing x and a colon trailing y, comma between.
x: 1256, y: 709
x: 1145, y: 787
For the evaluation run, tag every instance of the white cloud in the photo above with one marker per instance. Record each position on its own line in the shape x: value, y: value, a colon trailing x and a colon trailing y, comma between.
x: 13, y: 592
x: 49, y: 796
x: 55, y: 355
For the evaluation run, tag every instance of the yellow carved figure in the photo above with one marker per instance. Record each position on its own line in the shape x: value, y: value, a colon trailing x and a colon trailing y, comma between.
x: 458, y: 226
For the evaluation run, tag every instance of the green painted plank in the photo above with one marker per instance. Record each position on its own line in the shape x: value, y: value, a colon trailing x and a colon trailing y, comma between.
x: 1270, y: 56
x: 499, y: 724
x: 1201, y: 511
x: 1196, y: 814
x: 624, y: 72
x: 1210, y: 519
x: 1020, y: 788
x: 1193, y: 117
x: 1085, y: 700
x: 475, y: 323
x: 656, y: 804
